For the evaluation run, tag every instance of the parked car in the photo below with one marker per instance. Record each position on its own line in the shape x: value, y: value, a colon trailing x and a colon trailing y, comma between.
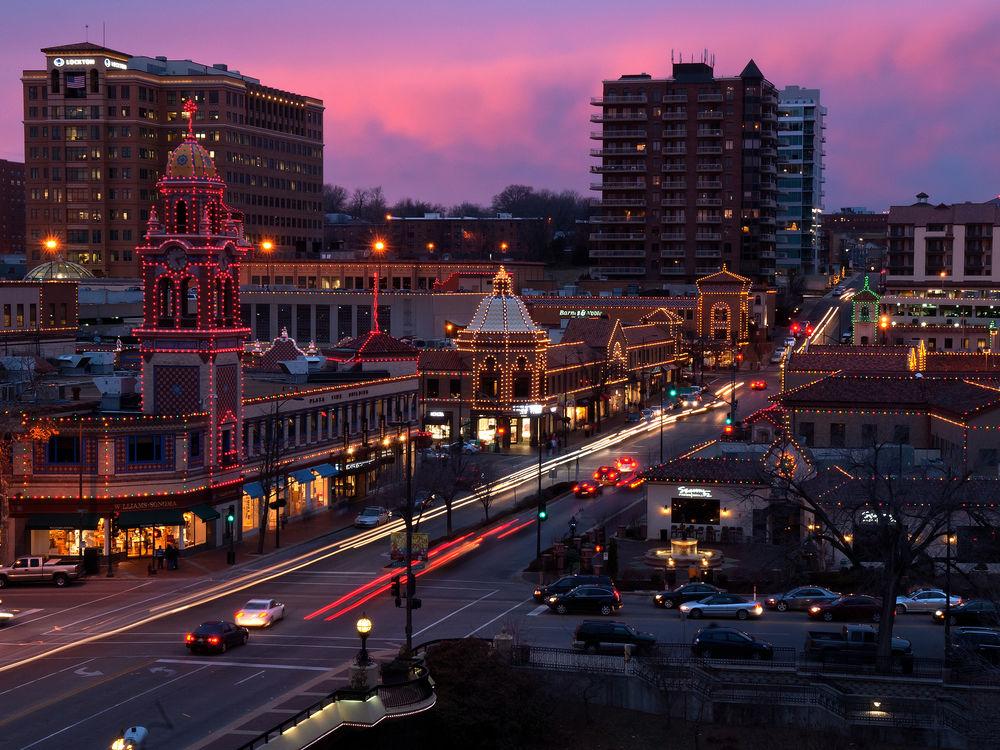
x: 777, y: 356
x: 633, y: 417
x: 723, y: 605
x: 260, y: 613
x: 607, y: 474
x: 925, y: 600
x: 854, y: 644
x: 6, y: 617
x: 587, y: 489
x: 758, y: 385
x: 425, y: 499
x: 972, y: 612
x: 592, y: 634
x: 800, y: 598
x: 371, y: 517
x: 689, y: 592
x: 974, y: 646
x: 626, y: 464
x: 728, y: 643
x: 790, y: 341
x: 568, y: 583
x: 586, y: 599
x: 40, y: 570
x: 648, y: 414
x: 217, y: 636
x: 853, y: 608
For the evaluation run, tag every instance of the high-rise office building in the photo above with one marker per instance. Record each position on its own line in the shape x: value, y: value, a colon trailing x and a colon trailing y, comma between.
x: 11, y: 206
x: 801, y: 126
x: 98, y: 125
x: 688, y: 166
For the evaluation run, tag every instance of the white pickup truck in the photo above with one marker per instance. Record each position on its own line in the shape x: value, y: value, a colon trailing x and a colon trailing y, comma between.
x: 40, y: 570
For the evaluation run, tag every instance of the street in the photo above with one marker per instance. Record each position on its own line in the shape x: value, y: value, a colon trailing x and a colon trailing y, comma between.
x: 85, y: 661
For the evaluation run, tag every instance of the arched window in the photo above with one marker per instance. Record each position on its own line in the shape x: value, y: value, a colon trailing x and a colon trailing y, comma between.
x: 489, y: 380
x: 522, y: 379
x: 55, y: 81
x: 180, y: 214
x: 165, y: 302
x: 720, y: 322
x: 94, y: 83
x: 189, y: 302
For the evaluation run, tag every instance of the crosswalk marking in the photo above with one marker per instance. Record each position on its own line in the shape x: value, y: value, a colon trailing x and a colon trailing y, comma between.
x: 537, y: 610
x: 24, y: 613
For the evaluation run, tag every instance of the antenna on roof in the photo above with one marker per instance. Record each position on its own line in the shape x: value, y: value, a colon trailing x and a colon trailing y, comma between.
x: 104, y: 33
x: 86, y: 32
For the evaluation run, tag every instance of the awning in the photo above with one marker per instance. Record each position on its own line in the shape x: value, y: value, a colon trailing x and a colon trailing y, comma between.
x: 160, y: 517
x: 302, y: 476
x: 205, y: 512
x: 326, y: 470
x: 64, y: 521
x: 254, y: 489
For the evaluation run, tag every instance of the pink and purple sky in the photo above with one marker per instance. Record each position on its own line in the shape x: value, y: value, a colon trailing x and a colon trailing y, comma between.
x: 453, y: 100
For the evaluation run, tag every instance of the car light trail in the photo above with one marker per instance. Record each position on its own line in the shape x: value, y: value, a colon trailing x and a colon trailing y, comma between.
x: 516, y: 529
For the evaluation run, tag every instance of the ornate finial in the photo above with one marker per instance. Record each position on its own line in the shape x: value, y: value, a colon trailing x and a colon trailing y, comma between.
x: 284, y: 332
x: 502, y: 283
x: 724, y: 268
x: 866, y: 283
x: 191, y: 107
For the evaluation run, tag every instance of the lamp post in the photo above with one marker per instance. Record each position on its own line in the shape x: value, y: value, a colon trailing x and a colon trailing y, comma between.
x: 663, y: 387
x: 282, y: 488
x: 364, y: 628
x: 267, y: 247
x: 378, y: 250
x: 536, y: 411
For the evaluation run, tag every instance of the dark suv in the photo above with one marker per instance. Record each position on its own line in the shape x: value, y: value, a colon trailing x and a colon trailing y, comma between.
x: 592, y: 634
x: 567, y: 583
x: 689, y: 592
x: 729, y: 643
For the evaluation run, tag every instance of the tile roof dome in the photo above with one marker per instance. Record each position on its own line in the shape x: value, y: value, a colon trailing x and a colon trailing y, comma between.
x: 501, y: 312
x: 58, y: 269
x: 190, y: 161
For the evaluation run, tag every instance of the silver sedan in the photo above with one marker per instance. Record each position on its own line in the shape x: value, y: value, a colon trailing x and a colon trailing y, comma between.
x: 723, y: 605
x: 924, y: 600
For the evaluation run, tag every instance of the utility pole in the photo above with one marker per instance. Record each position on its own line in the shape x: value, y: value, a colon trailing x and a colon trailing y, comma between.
x: 947, y: 589
x: 409, y: 545
x: 663, y: 387
x: 538, y: 500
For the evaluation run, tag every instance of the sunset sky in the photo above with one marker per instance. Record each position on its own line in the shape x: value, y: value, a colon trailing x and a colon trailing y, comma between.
x: 451, y: 101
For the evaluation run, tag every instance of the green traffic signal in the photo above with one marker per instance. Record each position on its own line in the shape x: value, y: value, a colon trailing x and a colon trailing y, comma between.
x: 673, y: 392
x: 729, y: 420
x: 231, y: 515
x: 542, y: 513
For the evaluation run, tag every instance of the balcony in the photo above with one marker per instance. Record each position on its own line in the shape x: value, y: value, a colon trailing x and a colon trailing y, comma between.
x: 682, y: 167
x: 768, y: 151
x: 598, y: 271
x: 619, y: 117
x: 675, y: 151
x: 710, y: 166
x: 675, y: 98
x: 709, y: 149
x: 671, y: 202
x: 677, y: 218
x: 768, y: 169
x: 677, y: 114
x: 617, y: 236
x: 709, y: 132
x: 713, y: 219
x: 710, y: 114
x: 704, y: 270
x: 632, y: 253
x: 709, y: 184
x: 767, y: 237
x: 625, y: 152
x: 618, y: 99
x: 769, y: 117
x: 674, y: 185
x: 620, y: 202
x: 768, y: 185
x: 675, y: 133
x: 699, y: 253
x: 673, y: 253
x: 617, y: 168
x: 713, y: 96
x: 673, y: 271
x: 633, y: 185
x: 617, y: 219
x: 612, y: 134
x: 768, y: 203
x: 769, y: 254
x: 709, y: 202
x: 708, y: 236
x: 672, y: 237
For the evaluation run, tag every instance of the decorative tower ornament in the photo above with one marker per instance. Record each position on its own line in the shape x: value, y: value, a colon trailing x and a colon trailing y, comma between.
x: 192, y: 337
x: 865, y: 318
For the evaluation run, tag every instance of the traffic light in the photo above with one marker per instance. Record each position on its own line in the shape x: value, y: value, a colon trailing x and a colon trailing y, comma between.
x: 394, y: 590
x: 542, y: 512
x: 883, y: 322
x: 598, y: 549
x: 795, y: 328
x: 231, y: 515
x: 728, y: 429
x: 673, y: 393
x: 729, y: 420
x: 739, y: 356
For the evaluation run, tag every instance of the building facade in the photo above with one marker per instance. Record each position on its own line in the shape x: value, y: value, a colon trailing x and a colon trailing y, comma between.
x: 12, y: 210
x: 801, y: 135
x: 854, y: 237
x: 97, y: 128
x: 688, y: 168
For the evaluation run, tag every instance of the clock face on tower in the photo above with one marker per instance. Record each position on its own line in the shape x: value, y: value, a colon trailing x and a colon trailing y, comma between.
x: 177, y: 259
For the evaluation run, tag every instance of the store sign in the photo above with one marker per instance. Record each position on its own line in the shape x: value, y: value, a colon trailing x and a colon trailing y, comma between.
x: 436, y: 414
x: 60, y: 61
x: 580, y: 313
x: 355, y: 465
x: 694, y: 492
x: 114, y: 64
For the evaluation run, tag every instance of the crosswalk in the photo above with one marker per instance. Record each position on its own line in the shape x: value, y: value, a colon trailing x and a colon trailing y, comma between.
x: 538, y: 610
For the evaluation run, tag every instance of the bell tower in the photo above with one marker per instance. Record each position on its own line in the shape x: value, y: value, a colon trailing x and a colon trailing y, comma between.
x: 191, y: 338
x: 865, y: 316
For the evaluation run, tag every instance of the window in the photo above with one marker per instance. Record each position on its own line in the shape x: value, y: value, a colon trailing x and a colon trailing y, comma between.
x: 455, y: 387
x: 901, y: 433
x: 433, y: 388
x: 194, y: 445
x: 63, y: 449
x: 869, y: 434
x: 838, y: 434
x: 807, y: 432
x: 145, y: 449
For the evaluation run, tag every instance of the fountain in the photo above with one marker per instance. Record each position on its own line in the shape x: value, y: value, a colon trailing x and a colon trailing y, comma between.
x: 683, y: 553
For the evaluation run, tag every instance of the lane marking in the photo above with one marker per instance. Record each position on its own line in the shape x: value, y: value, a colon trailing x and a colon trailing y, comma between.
x: 19, y: 614
x: 246, y: 679
x: 538, y: 610
x: 490, y: 622
x: 83, y: 604
x: 46, y: 676
x: 110, y: 708
x: 258, y: 665
x: 438, y: 622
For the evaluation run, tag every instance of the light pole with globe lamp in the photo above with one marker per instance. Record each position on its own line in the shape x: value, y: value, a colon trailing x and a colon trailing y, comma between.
x: 364, y: 628
x: 267, y: 247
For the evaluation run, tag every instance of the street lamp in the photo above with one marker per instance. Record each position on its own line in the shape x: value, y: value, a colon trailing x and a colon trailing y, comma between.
x: 378, y: 250
x: 364, y: 628
x: 536, y: 411
x: 267, y: 247
x: 51, y: 245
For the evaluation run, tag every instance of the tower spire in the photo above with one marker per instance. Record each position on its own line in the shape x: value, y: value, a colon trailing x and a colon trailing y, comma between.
x: 375, y: 305
x: 191, y: 107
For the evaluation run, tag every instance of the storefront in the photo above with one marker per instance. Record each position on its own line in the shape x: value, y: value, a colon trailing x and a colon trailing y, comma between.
x: 438, y: 424
x: 64, y: 534
x: 306, y: 490
x: 141, y: 532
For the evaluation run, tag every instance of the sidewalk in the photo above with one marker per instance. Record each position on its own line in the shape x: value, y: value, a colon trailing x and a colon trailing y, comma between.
x: 301, y: 532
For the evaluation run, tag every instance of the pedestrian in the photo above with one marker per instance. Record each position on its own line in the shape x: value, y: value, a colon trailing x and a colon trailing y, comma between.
x: 160, y: 554
x: 554, y: 445
x: 171, y: 554
x: 572, y: 526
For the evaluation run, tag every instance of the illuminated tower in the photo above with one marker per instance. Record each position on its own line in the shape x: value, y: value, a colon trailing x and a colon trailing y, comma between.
x: 192, y: 337
x: 864, y: 316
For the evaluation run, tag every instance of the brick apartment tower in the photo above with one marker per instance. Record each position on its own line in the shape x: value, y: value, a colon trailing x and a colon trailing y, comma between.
x: 98, y: 125
x: 11, y: 206
x: 688, y: 166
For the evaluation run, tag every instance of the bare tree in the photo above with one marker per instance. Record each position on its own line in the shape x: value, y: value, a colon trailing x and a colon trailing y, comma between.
x: 487, y: 490
x: 444, y: 479
x: 334, y: 199
x: 269, y: 473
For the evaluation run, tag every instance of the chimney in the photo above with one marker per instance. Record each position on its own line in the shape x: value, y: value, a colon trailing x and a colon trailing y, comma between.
x: 922, y: 197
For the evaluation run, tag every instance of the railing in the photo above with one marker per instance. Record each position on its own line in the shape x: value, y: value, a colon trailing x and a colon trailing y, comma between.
x: 672, y: 237
x: 675, y: 133
x: 601, y: 134
x: 710, y: 114
x: 619, y: 99
x: 709, y: 132
x: 709, y: 201
x: 618, y: 117
x: 635, y: 185
x: 675, y: 115
x: 608, y: 236
x: 675, y: 98
x: 601, y: 168
x: 712, y: 97
x: 636, y: 253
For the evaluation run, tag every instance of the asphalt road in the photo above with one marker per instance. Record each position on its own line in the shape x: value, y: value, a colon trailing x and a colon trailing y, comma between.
x: 98, y: 665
